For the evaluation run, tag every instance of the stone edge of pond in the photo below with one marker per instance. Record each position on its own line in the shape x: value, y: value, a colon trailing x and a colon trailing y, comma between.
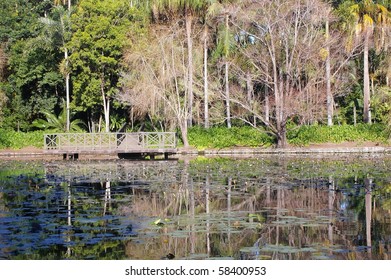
x: 231, y: 151
x: 304, y: 150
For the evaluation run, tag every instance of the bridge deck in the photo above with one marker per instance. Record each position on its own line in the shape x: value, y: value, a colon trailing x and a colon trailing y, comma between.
x: 148, y: 143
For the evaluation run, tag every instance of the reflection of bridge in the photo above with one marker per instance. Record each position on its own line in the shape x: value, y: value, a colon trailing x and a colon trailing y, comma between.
x: 126, y: 145
x: 143, y: 172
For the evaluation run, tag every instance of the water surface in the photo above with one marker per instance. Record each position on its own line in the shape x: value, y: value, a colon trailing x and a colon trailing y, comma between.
x: 274, y: 207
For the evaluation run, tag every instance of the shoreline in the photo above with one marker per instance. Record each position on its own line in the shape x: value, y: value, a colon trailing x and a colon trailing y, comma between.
x: 319, y: 149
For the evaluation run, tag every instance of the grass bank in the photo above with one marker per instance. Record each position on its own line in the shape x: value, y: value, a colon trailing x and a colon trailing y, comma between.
x: 222, y: 137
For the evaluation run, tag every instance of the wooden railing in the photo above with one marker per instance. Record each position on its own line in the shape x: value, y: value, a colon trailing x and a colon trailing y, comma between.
x: 112, y: 142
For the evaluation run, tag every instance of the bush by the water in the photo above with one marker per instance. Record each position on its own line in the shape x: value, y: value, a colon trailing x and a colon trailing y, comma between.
x: 16, y: 140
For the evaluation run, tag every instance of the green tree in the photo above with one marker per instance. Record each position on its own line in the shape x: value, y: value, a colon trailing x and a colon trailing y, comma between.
x: 32, y: 80
x: 99, y: 35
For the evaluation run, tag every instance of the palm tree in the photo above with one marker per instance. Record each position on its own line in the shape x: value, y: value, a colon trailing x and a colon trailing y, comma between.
x: 58, y: 29
x: 226, y: 52
x: 205, y: 37
x: 222, y: 11
x: 371, y: 20
x: 328, y: 79
x: 58, y: 123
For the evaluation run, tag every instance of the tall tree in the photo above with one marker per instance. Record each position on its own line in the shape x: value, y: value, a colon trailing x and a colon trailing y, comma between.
x: 99, y: 35
x: 222, y: 12
x: 205, y: 38
x: 328, y: 77
x: 371, y: 21
x: 157, y: 75
x: 65, y: 25
x: 287, y: 38
x: 189, y: 9
x: 57, y: 27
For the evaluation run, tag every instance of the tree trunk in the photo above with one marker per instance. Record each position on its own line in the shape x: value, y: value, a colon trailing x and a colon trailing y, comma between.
x: 250, y: 89
x: 227, y: 97
x: 278, y: 97
x: 206, y: 102
x: 183, y: 127
x: 107, y: 115
x: 328, y: 81
x: 106, y: 107
x: 267, y: 106
x: 68, y: 125
x: 190, y: 70
x: 281, y: 135
x: 367, y: 113
x: 250, y: 95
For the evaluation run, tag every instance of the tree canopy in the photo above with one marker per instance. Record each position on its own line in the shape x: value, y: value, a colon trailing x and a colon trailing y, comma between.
x: 152, y: 64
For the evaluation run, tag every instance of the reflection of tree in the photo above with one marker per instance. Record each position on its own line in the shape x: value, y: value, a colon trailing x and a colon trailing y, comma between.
x: 69, y: 216
x: 107, y: 201
x: 368, y: 213
x: 214, y: 208
x: 306, y: 215
x: 207, y: 211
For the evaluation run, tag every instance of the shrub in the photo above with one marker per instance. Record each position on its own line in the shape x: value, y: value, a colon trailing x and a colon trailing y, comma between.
x: 222, y: 137
x: 17, y: 140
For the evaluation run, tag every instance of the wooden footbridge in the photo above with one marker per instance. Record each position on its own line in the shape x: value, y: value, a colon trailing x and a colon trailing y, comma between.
x: 125, y: 145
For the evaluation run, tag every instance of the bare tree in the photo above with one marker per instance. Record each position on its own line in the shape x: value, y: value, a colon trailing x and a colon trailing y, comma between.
x: 284, y: 41
x: 157, y: 76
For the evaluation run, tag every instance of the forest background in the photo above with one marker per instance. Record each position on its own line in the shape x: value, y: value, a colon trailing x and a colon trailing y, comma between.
x: 220, y: 73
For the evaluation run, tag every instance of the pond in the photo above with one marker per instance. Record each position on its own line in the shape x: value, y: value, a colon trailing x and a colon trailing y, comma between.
x: 270, y: 207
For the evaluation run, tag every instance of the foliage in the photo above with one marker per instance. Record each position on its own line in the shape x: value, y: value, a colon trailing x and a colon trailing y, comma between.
x: 222, y: 137
x: 58, y: 123
x: 167, y: 36
x: 17, y: 140
x: 305, y: 135
x: 32, y: 76
x: 99, y: 33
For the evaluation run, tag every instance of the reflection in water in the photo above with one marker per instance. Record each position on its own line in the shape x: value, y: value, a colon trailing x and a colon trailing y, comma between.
x: 69, y: 249
x: 284, y: 208
x: 368, y: 213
